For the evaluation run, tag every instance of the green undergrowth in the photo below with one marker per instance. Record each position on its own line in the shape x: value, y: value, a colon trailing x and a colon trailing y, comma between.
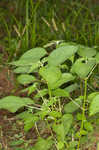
x: 35, y: 23
x: 59, y: 94
x: 60, y: 78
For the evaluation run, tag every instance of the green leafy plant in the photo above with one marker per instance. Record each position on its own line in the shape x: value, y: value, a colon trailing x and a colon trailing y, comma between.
x: 44, y: 75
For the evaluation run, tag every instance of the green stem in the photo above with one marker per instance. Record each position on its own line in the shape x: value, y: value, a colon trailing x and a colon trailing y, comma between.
x: 50, y: 95
x: 27, y: 23
x: 37, y: 130
x: 49, y: 91
x: 83, y: 111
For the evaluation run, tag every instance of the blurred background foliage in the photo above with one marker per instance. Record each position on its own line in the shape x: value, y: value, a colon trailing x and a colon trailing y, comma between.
x: 29, y: 23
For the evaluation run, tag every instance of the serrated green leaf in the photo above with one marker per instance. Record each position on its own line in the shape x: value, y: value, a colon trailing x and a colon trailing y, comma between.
x: 94, y: 107
x: 73, y: 105
x: 51, y: 75
x: 82, y: 69
x: 25, y: 79
x: 13, y: 103
x: 61, y: 54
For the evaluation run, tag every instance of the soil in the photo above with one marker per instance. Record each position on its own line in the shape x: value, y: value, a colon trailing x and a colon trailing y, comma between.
x: 12, y: 129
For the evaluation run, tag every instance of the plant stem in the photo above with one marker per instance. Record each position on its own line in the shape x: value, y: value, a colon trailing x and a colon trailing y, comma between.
x: 37, y: 130
x: 49, y: 91
x: 50, y: 95
x: 27, y: 23
x: 83, y: 111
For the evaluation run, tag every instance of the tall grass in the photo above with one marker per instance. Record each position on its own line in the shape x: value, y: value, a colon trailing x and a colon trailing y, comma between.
x: 44, y: 21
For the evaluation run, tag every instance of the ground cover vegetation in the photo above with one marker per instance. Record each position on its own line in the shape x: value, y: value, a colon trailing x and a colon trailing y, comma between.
x: 50, y: 51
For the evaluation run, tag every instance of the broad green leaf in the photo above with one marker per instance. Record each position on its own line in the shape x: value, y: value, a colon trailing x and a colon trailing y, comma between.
x: 72, y: 145
x: 30, y: 122
x: 24, y: 62
x: 42, y: 114
x: 26, y: 79
x: 22, y: 69
x: 60, y: 145
x: 34, y: 66
x: 41, y: 93
x: 59, y: 130
x: 31, y: 57
x: 80, y: 116
x: 83, y: 132
x: 97, y: 58
x: 67, y: 120
x: 51, y: 75
x: 66, y: 77
x: 88, y: 126
x: 43, y: 144
x: 60, y: 92
x: 66, y: 44
x: 24, y: 115
x: 29, y: 119
x: 13, y: 103
x: 73, y: 105
x: 34, y: 54
x: 61, y: 54
x: 62, y: 129
x: 72, y: 87
x: 85, y: 51
x: 55, y: 114
x: 92, y: 95
x: 28, y: 64
x: 94, y: 107
x: 30, y: 89
x: 82, y: 68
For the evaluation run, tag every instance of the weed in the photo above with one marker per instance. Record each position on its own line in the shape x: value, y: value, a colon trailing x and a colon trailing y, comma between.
x: 53, y: 76
x: 44, y: 75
